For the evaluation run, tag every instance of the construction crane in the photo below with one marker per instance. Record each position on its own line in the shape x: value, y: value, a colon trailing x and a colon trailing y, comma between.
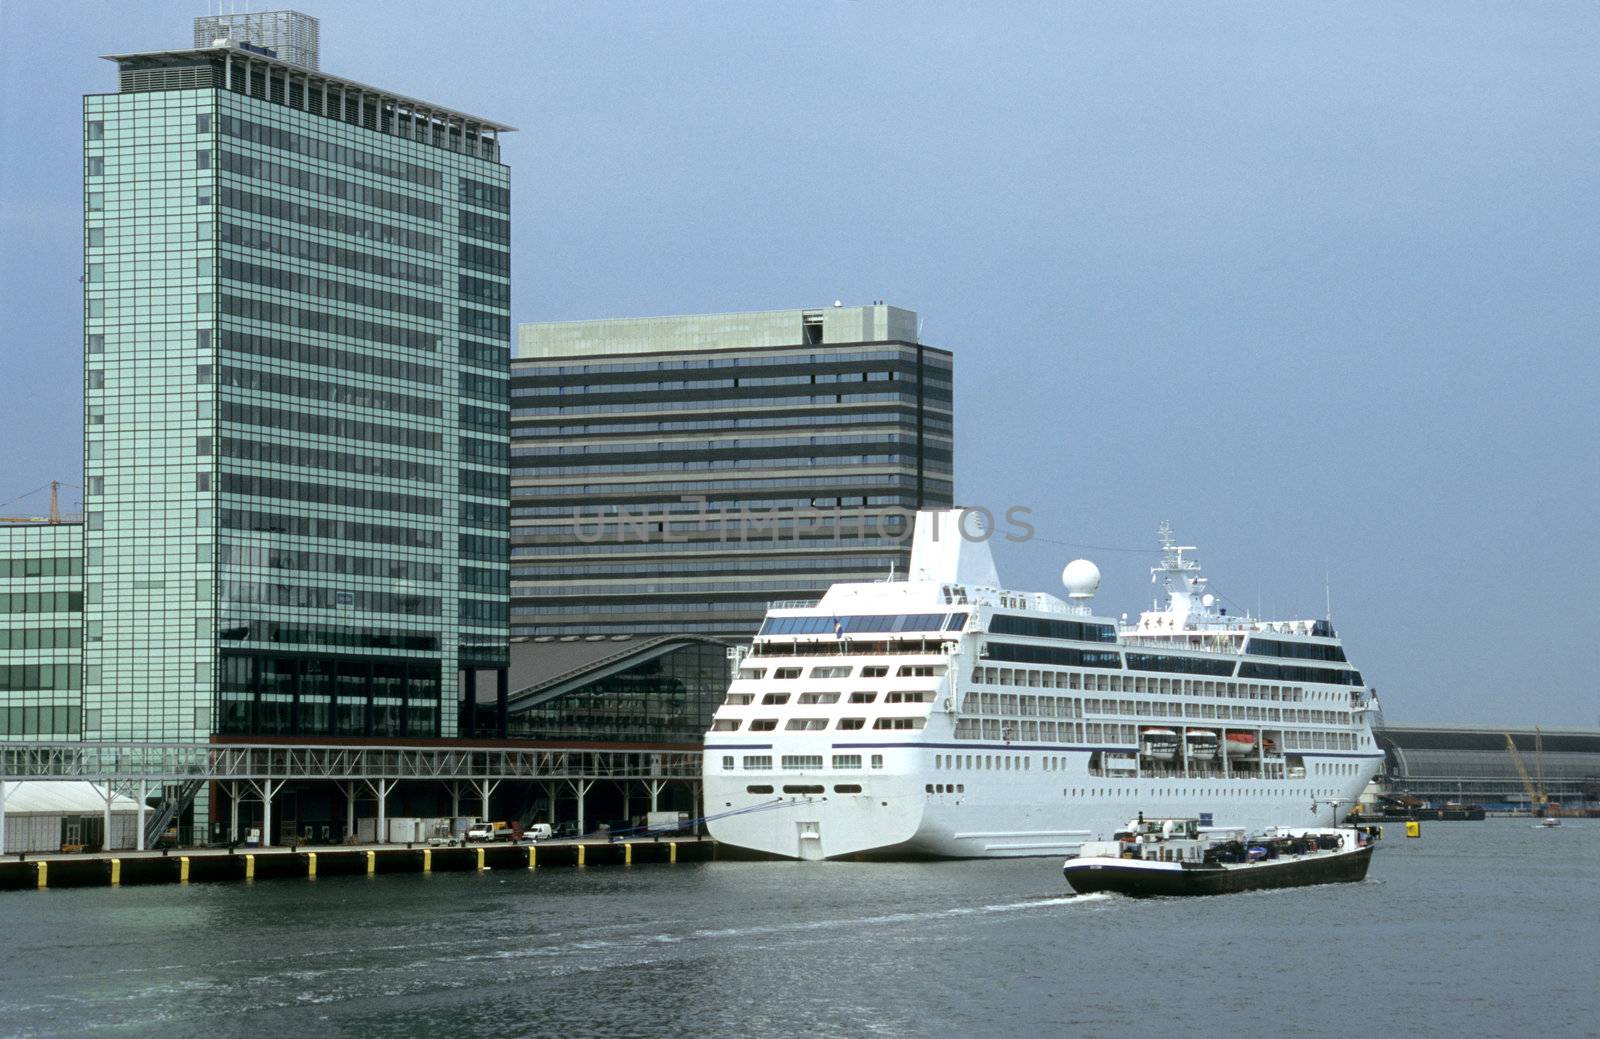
x: 1538, y: 800
x: 55, y: 509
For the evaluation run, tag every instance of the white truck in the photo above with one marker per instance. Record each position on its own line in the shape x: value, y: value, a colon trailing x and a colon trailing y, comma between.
x: 482, y: 831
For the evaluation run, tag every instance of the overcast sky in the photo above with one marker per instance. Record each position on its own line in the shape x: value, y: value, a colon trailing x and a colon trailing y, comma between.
x: 1314, y: 282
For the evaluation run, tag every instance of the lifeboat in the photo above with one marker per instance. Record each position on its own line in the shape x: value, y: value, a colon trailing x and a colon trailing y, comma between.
x: 1202, y: 744
x: 1241, y: 744
x: 1158, y: 744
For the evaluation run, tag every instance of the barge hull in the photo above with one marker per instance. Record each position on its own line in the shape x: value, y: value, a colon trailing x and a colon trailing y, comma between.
x: 1141, y: 881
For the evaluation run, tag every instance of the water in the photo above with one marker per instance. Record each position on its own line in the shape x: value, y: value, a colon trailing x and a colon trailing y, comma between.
x: 1480, y: 929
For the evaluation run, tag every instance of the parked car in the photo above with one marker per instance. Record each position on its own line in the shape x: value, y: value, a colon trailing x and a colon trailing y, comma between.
x: 538, y: 832
x: 568, y: 829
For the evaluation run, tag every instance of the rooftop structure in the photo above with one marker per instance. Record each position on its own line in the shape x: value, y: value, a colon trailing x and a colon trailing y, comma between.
x: 289, y: 35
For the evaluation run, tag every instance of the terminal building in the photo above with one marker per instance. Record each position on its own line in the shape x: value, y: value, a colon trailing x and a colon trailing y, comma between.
x: 296, y: 388
x: 1472, y: 764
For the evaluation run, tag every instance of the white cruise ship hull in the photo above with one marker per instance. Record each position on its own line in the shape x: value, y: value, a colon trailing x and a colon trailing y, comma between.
x: 1024, y: 812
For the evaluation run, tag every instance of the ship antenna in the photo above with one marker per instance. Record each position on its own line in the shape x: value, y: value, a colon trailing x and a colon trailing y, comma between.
x: 1327, y: 592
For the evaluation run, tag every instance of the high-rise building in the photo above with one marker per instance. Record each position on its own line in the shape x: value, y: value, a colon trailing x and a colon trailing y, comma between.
x: 41, y: 630
x: 295, y: 473
x: 673, y: 475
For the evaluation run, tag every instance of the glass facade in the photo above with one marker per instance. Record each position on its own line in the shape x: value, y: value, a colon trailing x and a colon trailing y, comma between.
x: 667, y: 698
x: 297, y: 323
x: 41, y: 631
x: 674, y: 475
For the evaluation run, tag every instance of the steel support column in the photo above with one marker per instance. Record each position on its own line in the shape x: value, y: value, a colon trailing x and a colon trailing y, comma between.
x: 485, y: 788
x: 380, y: 789
x: 110, y: 795
x: 233, y: 813
x: 144, y: 795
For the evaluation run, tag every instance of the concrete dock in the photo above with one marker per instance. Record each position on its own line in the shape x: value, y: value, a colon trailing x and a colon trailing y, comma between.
x: 116, y: 869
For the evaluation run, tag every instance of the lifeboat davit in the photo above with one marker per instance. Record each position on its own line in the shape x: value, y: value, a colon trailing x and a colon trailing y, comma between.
x: 1241, y: 744
x: 1159, y: 744
x: 1202, y: 744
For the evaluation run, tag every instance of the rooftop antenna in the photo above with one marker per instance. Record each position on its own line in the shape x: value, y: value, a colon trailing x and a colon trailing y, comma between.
x: 1327, y: 592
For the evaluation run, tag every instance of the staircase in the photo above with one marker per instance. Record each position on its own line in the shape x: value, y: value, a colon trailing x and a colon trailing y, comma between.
x: 175, y: 798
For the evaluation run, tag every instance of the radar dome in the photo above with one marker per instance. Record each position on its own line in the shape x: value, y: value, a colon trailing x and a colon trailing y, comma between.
x: 1208, y: 600
x: 1082, y: 579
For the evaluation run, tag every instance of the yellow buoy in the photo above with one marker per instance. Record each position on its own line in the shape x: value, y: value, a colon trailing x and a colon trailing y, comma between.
x: 1413, y: 828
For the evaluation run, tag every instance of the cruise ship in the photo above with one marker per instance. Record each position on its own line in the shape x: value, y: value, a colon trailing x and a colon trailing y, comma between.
x: 939, y: 714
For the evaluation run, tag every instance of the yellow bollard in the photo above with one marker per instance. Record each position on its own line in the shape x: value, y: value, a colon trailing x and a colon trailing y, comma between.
x: 1413, y: 828
x: 183, y: 869
x: 43, y: 873
x: 480, y: 860
x: 627, y: 854
x: 580, y: 855
x: 116, y: 872
x: 672, y: 852
x: 427, y: 860
x: 249, y: 867
x: 311, y: 864
x: 533, y: 860
x: 372, y: 863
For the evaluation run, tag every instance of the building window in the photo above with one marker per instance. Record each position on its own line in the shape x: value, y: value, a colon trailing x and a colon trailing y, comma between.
x: 97, y: 343
x: 96, y: 130
x: 97, y: 166
x: 202, y: 159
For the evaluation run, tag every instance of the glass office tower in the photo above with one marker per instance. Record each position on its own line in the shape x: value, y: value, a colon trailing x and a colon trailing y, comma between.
x: 296, y: 336
x: 673, y: 475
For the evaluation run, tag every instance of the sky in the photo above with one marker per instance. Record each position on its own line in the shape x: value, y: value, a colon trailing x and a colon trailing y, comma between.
x: 1314, y: 283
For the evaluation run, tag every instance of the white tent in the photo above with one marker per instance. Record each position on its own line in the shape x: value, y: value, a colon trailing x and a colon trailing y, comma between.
x: 35, y: 812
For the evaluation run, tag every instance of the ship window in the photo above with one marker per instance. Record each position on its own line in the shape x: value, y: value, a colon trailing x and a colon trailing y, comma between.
x: 808, y: 789
x: 961, y: 788
x: 787, y: 672
x: 877, y: 761
x: 831, y: 671
x: 929, y: 788
x: 847, y: 761
x: 763, y: 724
x: 852, y: 723
x: 774, y: 699
x: 802, y: 761
x: 757, y: 762
x: 805, y: 724
x: 847, y: 788
x: 752, y: 672
x: 875, y: 671
x: 920, y: 670
x: 725, y: 725
x: 915, y: 696
x: 739, y: 699
x: 818, y: 698
x: 727, y: 762
x: 899, y: 723
x: 858, y: 697
x: 758, y: 790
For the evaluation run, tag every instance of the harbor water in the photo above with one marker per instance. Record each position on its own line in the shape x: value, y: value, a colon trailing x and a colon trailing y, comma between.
x: 1482, y: 929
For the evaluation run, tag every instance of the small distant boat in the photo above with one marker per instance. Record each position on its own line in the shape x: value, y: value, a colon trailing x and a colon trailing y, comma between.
x: 1153, y: 857
x: 1547, y: 822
